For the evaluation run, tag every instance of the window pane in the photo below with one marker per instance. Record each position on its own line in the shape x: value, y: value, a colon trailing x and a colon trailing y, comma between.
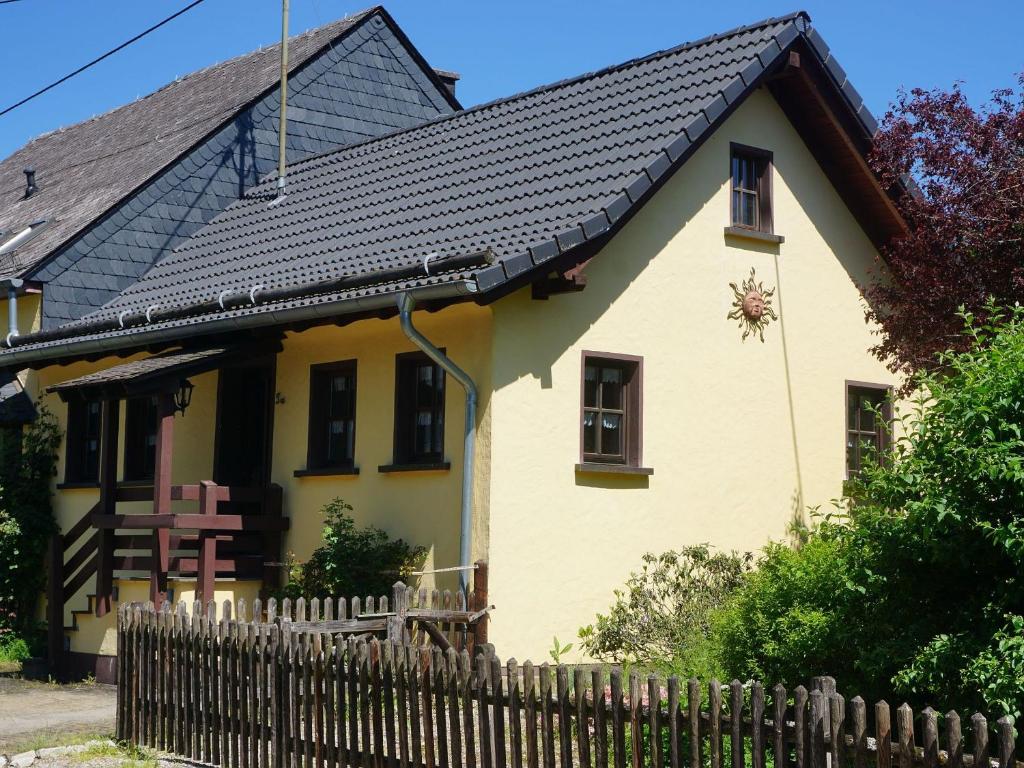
x: 611, y: 388
x: 852, y: 463
x: 748, y: 209
x: 852, y: 409
x: 589, y: 432
x: 867, y: 415
x: 611, y: 434
x: 590, y: 386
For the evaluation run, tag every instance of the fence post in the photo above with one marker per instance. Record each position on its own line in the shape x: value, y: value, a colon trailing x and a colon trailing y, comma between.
x: 819, y: 716
x: 480, y: 601
x: 1006, y: 743
x: 397, y: 631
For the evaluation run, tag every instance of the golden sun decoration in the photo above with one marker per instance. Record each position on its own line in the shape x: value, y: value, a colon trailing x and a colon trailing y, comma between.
x: 752, y: 306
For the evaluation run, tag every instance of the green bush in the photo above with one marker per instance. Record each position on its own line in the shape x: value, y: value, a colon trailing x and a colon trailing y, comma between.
x: 26, y: 520
x: 13, y: 648
x: 352, y: 562
x: 662, y: 616
x: 913, y: 587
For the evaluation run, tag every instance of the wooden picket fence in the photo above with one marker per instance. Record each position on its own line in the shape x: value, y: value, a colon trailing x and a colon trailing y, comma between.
x: 254, y: 694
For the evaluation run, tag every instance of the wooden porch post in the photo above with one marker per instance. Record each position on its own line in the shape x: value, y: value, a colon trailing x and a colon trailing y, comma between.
x: 160, y: 559
x: 55, y: 605
x: 207, y: 563
x: 108, y: 505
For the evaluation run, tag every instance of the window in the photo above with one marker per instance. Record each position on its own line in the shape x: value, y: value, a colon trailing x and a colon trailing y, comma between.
x: 751, y: 171
x: 140, y: 423
x: 332, y: 416
x: 82, y: 459
x: 419, y: 410
x: 611, y: 418
x: 868, y: 413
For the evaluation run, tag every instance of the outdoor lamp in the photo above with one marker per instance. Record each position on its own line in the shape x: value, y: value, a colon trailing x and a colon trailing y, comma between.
x: 183, y: 397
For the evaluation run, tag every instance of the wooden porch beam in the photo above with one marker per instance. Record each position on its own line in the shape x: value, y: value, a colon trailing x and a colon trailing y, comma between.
x: 110, y: 417
x: 207, y: 562
x: 162, y: 499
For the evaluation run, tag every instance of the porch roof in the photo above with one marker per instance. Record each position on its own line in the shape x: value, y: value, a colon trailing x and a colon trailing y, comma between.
x: 154, y: 374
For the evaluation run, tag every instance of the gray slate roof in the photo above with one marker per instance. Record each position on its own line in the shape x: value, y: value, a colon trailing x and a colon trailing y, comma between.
x: 15, y: 405
x: 140, y: 369
x: 528, y: 178
x: 86, y: 168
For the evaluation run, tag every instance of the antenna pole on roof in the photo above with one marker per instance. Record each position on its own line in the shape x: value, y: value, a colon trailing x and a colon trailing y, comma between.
x: 282, y: 130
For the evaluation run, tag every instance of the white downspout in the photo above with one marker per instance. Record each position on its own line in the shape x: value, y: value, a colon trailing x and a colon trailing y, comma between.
x: 406, y: 304
x: 12, y: 285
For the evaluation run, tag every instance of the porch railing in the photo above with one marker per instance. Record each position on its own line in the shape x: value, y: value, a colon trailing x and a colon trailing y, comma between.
x: 201, y: 545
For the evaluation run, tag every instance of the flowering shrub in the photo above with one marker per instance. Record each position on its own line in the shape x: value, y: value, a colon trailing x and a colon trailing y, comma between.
x: 664, y: 611
x: 352, y: 561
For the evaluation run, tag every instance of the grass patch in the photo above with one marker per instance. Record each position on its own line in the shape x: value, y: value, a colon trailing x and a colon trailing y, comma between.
x: 52, y: 738
x: 130, y: 755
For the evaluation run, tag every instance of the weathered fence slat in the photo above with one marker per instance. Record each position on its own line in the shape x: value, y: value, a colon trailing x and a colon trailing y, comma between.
x: 268, y: 693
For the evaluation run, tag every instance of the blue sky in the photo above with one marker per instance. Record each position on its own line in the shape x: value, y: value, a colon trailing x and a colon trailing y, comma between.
x: 499, y: 47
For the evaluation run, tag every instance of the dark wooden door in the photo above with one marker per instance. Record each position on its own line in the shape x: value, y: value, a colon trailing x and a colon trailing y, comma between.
x: 245, y: 402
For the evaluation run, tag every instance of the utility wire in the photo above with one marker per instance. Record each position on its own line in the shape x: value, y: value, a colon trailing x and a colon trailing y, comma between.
x: 98, y: 59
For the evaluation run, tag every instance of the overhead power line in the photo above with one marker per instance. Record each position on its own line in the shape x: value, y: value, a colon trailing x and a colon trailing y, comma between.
x: 98, y: 59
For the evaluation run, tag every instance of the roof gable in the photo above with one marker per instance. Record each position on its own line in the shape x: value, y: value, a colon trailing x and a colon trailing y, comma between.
x: 87, y: 168
x: 538, y: 181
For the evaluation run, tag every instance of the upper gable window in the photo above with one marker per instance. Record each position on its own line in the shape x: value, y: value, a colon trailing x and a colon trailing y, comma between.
x: 751, y: 187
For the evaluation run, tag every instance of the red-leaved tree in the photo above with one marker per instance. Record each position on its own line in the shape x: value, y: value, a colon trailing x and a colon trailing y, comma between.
x: 966, y: 227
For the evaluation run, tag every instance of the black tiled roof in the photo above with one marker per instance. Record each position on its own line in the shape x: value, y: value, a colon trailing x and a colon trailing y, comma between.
x: 86, y: 168
x: 527, y: 178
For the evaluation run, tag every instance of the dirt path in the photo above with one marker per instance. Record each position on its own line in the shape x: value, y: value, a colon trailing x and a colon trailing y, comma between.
x: 32, y: 714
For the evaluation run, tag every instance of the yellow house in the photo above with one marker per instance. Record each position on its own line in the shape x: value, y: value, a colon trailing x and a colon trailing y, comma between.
x: 613, y: 315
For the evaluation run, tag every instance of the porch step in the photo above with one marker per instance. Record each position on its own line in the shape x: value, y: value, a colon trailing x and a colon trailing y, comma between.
x: 88, y: 611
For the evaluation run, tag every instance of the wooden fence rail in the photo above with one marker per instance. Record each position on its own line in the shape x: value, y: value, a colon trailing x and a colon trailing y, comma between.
x: 248, y: 694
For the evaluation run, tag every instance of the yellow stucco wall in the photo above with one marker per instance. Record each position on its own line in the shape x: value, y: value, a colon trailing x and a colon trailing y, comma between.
x: 741, y: 435
x: 421, y: 507
x: 30, y: 314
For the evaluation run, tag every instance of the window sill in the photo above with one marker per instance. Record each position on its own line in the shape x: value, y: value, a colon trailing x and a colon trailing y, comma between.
x: 753, y: 234
x: 612, y: 469
x: 76, y: 486
x: 326, y: 472
x: 437, y: 466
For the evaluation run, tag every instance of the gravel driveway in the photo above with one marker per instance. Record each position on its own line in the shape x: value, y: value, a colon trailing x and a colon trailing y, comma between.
x: 34, y: 713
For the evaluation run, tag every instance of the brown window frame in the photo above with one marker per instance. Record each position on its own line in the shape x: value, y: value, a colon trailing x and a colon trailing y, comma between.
x: 81, y: 463
x: 632, y: 367
x: 405, y: 453
x: 317, y: 447
x: 763, y: 161
x: 882, y: 438
x: 141, y: 418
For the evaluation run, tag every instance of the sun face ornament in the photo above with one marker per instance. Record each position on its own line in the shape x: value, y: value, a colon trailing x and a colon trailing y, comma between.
x: 752, y: 306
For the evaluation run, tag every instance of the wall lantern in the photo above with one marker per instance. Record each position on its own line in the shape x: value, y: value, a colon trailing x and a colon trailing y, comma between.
x: 183, y: 397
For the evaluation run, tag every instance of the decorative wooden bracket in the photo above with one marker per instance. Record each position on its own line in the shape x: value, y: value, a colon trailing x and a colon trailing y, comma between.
x: 571, y: 281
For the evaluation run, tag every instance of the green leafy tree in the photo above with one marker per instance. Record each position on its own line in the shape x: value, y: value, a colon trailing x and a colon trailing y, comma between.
x: 914, y: 585
x: 352, y: 562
